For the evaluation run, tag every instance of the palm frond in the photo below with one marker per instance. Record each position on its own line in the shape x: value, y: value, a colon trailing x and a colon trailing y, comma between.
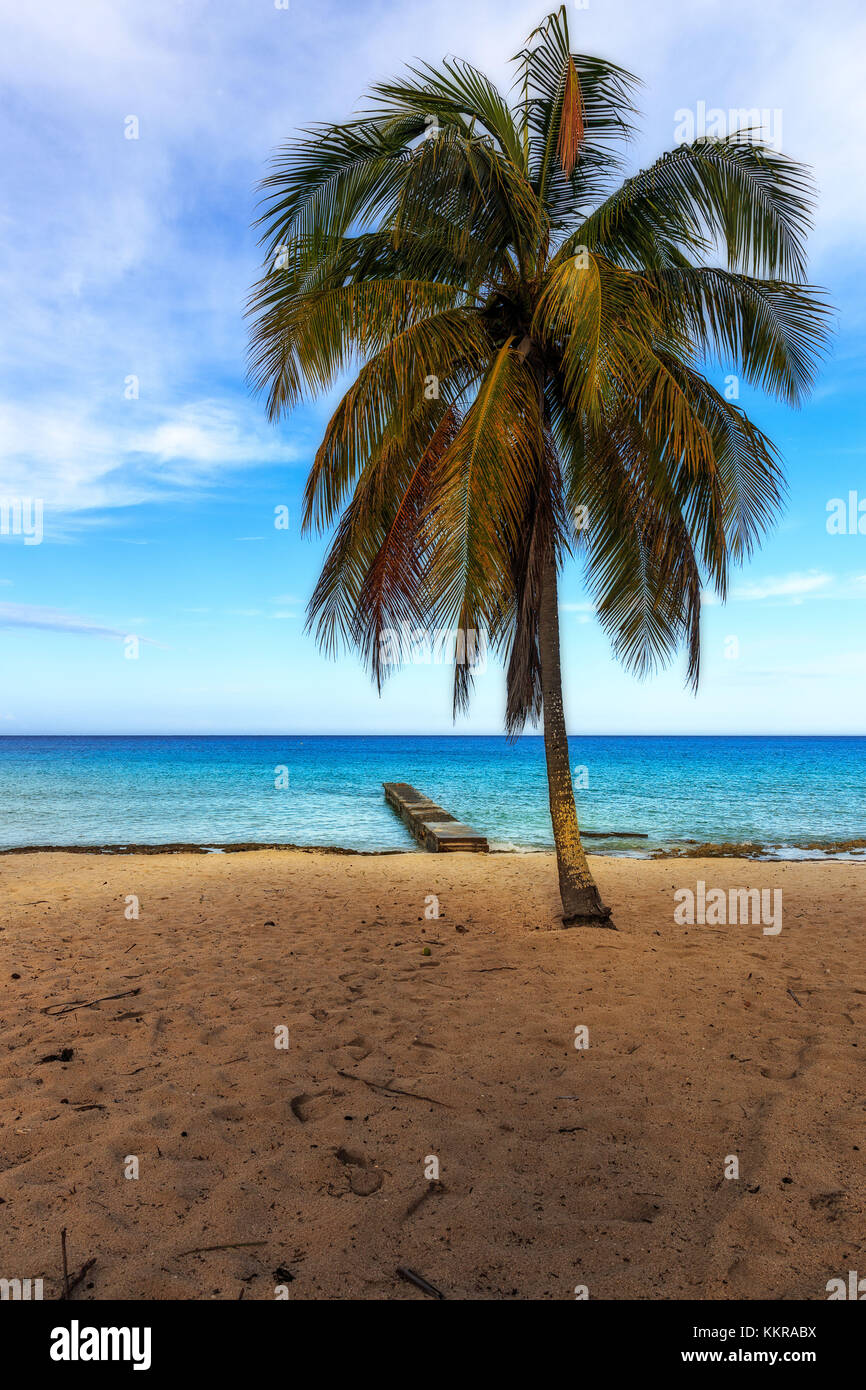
x: 775, y: 332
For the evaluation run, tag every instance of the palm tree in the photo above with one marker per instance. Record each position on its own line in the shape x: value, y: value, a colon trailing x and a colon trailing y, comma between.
x: 527, y: 342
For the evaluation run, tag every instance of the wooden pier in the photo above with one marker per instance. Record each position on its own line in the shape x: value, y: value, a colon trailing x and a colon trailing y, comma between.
x: 432, y: 827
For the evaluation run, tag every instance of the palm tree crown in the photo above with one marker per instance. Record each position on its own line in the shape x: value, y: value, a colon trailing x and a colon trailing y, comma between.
x: 529, y: 344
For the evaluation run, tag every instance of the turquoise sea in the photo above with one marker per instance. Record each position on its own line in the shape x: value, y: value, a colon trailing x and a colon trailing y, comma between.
x: 786, y: 793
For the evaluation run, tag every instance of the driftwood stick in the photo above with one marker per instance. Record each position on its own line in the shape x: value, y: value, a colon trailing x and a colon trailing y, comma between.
x: 56, y: 1010
x: 70, y: 1284
x: 392, y: 1090
x: 65, y: 1265
x: 77, y: 1278
x: 419, y: 1281
x: 233, y: 1245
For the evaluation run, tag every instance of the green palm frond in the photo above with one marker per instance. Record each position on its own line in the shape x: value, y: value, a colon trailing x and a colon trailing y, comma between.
x: 387, y: 405
x: 754, y: 200
x: 774, y: 331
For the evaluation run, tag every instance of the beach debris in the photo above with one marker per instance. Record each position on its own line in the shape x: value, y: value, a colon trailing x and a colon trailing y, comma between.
x: 65, y: 1056
x: 70, y: 1284
x: 78, y: 1278
x: 752, y: 849
x: 614, y: 835
x: 412, y: 1277
x: 56, y: 1010
x: 392, y: 1090
x: 232, y: 1245
x: 794, y: 997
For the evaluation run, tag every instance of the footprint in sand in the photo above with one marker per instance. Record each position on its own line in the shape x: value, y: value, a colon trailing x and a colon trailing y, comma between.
x: 634, y: 1209
x: 790, y: 1068
x: 364, y: 1177
x: 312, y: 1105
x: 831, y: 1204
x: 234, y: 1113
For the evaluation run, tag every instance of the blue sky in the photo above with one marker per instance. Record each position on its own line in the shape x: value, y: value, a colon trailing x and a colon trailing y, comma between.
x: 132, y: 258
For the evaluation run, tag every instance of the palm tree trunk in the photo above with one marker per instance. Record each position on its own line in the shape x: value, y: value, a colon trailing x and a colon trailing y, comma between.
x: 581, y: 904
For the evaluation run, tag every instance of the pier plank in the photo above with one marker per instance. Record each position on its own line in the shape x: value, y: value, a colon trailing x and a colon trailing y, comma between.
x: 434, y: 828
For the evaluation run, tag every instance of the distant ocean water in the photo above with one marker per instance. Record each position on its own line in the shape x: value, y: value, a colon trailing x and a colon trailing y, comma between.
x: 783, y: 792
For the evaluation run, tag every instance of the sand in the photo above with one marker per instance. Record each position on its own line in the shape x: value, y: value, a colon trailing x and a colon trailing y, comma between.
x: 601, y: 1167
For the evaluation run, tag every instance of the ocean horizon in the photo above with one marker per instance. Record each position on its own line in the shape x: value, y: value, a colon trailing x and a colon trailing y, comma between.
x: 795, y: 796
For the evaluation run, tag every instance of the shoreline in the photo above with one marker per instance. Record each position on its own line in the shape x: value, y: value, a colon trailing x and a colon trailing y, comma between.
x: 836, y: 851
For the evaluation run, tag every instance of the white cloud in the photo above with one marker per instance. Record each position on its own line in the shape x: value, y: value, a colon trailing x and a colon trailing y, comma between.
x: 76, y: 462
x: 205, y: 437
x: 30, y: 615
x: 791, y: 586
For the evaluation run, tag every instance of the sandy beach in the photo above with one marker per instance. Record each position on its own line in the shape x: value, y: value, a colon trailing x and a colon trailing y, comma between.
x: 559, y: 1167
